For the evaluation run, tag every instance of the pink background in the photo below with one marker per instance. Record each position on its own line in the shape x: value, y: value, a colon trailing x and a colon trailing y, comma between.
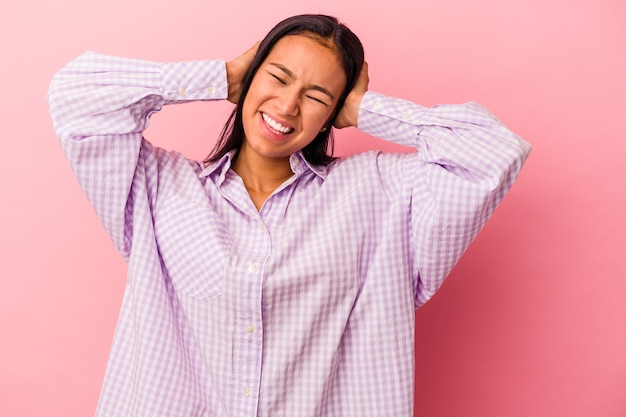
x: 532, y: 322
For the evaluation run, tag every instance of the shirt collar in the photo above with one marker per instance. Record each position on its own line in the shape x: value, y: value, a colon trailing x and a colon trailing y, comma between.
x: 221, y: 166
x: 299, y: 165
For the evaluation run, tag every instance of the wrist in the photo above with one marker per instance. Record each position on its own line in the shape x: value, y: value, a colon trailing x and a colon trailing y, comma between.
x: 354, y: 104
x: 233, y: 84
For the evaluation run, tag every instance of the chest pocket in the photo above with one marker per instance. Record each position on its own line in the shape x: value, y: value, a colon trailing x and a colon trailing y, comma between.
x: 194, y: 245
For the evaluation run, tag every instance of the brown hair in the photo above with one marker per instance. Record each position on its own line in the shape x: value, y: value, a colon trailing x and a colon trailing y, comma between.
x: 329, y: 32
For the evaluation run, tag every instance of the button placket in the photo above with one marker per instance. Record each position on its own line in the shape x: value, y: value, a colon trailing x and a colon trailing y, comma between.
x: 253, y: 253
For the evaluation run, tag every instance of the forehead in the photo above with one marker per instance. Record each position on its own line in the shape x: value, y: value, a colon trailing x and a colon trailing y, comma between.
x: 306, y: 42
x: 305, y: 56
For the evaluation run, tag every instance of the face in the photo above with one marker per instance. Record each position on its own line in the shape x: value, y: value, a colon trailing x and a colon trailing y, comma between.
x: 291, y: 98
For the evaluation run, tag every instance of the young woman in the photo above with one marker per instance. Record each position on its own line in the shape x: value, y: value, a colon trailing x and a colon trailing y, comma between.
x: 273, y: 279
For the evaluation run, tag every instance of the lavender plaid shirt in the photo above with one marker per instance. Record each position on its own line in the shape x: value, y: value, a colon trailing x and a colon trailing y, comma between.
x: 305, y: 308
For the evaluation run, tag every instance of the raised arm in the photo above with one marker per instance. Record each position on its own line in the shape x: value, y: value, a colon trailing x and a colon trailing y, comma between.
x: 100, y: 106
x: 465, y: 162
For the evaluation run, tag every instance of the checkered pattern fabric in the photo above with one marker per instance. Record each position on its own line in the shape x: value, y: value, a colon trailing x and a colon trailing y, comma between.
x: 304, y: 308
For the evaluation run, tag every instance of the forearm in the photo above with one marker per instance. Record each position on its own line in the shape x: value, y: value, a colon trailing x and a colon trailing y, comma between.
x: 104, y: 95
x: 463, y: 138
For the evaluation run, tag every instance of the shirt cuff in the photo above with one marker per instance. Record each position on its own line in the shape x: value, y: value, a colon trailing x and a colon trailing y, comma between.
x: 390, y: 118
x: 194, y: 80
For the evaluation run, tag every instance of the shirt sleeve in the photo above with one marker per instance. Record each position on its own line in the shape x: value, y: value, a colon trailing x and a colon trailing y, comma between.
x: 466, y: 161
x: 100, y: 106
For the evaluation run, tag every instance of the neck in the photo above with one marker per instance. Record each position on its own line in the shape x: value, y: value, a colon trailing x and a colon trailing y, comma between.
x: 261, y: 175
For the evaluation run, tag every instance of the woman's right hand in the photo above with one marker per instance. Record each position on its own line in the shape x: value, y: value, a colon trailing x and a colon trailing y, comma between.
x: 236, y: 70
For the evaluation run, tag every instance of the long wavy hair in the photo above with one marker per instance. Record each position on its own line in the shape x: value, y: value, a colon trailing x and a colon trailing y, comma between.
x: 329, y: 32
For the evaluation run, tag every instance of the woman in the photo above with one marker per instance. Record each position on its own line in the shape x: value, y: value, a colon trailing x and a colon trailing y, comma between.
x: 276, y: 280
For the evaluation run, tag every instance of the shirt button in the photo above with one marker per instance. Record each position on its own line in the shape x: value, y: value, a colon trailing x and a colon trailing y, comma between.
x: 377, y: 104
x: 405, y: 115
x: 251, y: 268
x: 247, y: 391
x: 211, y: 90
x: 250, y: 329
x: 182, y: 91
x: 261, y: 227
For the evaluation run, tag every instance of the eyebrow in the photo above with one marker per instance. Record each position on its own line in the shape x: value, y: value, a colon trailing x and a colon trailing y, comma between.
x: 292, y: 75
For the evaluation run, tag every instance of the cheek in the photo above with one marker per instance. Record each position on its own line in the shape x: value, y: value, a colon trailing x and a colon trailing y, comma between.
x: 250, y: 102
x: 316, y: 115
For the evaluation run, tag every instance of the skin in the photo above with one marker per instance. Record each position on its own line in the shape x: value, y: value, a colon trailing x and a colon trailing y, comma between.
x: 291, y: 99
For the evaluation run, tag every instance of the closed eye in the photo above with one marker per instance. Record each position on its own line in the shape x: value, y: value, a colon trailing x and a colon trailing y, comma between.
x: 318, y: 100
x: 280, y: 80
x: 290, y: 74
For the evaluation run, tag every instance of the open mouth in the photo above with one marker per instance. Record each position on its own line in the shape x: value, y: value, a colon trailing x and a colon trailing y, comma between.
x: 275, y: 126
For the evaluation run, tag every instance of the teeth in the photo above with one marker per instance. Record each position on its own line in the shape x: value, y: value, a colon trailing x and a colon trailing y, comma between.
x: 275, y: 125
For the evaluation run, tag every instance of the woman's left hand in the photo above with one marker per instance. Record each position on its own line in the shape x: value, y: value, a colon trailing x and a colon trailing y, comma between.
x: 349, y: 113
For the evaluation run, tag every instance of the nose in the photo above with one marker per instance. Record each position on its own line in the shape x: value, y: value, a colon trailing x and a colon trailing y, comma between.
x: 288, y: 102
